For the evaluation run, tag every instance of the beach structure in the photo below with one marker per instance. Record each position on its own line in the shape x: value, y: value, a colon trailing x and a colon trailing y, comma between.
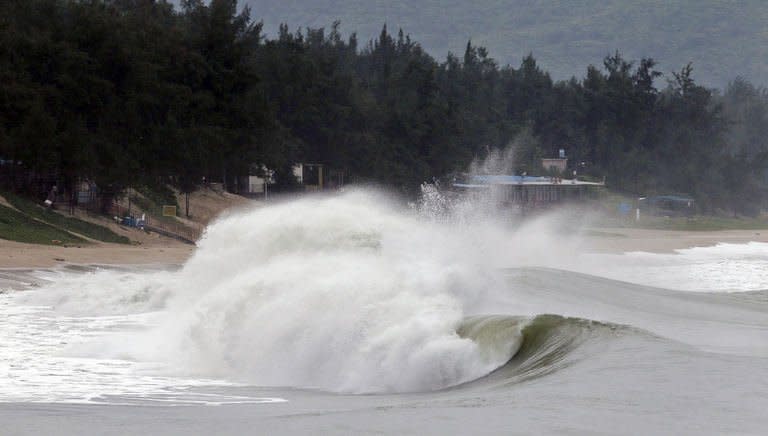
x: 308, y: 177
x: 529, y: 191
x: 555, y: 165
x: 318, y: 177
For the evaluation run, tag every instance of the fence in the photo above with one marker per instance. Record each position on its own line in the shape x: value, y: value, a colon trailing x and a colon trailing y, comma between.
x: 85, y: 199
x: 172, y: 229
x: 166, y: 226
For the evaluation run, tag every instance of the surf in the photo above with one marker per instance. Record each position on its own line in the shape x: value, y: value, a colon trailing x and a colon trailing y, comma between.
x: 358, y: 294
x: 346, y: 293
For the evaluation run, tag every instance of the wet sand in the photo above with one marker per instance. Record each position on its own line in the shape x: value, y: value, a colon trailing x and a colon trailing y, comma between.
x: 621, y: 240
x: 20, y: 255
x: 166, y: 251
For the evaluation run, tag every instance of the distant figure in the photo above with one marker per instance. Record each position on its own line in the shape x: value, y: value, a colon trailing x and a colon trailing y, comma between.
x: 51, y: 197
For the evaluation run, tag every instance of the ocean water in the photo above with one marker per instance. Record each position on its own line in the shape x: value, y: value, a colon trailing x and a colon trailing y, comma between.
x: 352, y: 315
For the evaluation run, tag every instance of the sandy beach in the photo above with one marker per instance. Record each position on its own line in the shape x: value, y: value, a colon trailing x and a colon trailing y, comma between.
x: 620, y: 240
x: 294, y: 320
x: 167, y: 251
x: 145, y: 248
x: 19, y: 255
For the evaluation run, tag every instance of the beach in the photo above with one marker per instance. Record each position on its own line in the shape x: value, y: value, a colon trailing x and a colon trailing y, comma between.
x: 146, y: 248
x: 20, y: 255
x: 162, y: 250
x: 622, y: 240
x: 285, y: 315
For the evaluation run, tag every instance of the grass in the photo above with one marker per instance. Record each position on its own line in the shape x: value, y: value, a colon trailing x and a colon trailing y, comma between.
x: 70, y: 224
x: 700, y: 223
x: 611, y: 201
x: 16, y: 226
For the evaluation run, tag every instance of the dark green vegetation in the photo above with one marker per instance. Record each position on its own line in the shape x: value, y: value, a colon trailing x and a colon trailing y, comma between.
x: 720, y: 37
x: 16, y: 226
x: 133, y: 93
x: 69, y: 224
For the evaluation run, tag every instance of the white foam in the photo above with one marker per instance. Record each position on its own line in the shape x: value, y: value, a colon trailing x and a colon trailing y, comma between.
x: 346, y: 294
x: 42, y: 360
x: 717, y: 268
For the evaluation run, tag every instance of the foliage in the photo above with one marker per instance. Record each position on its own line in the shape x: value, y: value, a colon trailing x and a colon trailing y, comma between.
x: 565, y: 35
x: 137, y: 93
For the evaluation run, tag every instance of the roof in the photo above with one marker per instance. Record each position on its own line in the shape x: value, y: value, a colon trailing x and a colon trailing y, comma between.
x: 486, y: 181
x: 671, y: 198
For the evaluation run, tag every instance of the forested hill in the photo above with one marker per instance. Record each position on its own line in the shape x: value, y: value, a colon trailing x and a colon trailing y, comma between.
x: 719, y: 36
x: 136, y: 93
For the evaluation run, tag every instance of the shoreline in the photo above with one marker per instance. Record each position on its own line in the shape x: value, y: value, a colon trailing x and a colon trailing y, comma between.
x: 625, y: 240
x: 17, y: 255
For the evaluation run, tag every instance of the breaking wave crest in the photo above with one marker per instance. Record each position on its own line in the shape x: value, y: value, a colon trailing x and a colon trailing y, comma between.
x: 545, y: 344
x: 348, y: 293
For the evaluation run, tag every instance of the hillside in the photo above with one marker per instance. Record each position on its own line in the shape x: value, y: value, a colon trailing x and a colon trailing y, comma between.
x: 722, y: 38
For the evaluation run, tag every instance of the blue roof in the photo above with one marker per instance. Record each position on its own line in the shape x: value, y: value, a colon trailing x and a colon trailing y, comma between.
x: 502, y: 180
x: 487, y: 181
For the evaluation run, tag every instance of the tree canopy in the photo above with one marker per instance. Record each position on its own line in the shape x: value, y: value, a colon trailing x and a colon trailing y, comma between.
x: 127, y: 92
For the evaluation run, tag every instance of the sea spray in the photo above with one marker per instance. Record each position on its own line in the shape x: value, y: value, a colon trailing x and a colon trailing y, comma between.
x: 344, y: 293
x: 349, y: 293
x: 100, y: 291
